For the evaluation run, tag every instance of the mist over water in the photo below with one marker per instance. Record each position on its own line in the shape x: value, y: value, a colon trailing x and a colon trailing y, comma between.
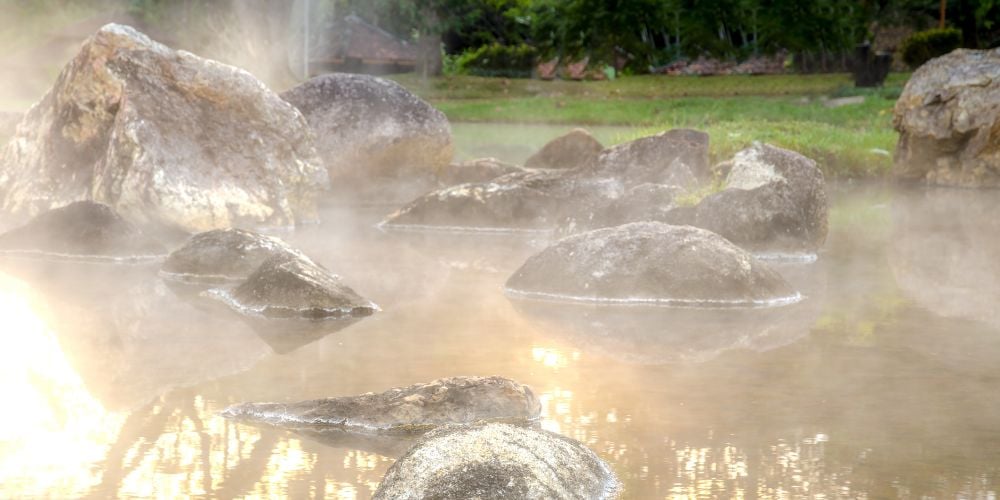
x: 872, y: 386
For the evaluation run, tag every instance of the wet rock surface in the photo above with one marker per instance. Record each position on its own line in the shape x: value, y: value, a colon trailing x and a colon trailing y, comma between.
x: 650, y: 262
x: 82, y: 229
x: 533, y: 200
x: 774, y: 201
x: 288, y: 286
x: 498, y: 461
x: 417, y: 408
x: 164, y: 137
x: 372, y: 128
x: 948, y: 117
x: 574, y: 149
x: 676, y: 157
x: 223, y: 255
x: 477, y: 170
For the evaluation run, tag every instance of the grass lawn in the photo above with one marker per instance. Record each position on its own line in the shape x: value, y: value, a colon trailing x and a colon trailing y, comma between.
x: 786, y: 110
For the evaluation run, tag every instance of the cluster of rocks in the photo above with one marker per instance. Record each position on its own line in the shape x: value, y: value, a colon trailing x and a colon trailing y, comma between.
x: 706, y: 66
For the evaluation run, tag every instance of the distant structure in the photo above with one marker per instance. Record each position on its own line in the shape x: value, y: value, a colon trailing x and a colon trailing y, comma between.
x: 351, y: 45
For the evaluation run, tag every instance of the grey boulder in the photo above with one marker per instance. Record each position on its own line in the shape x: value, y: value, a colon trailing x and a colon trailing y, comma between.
x: 476, y: 170
x: 414, y: 409
x: 948, y: 118
x: 223, y: 255
x: 650, y: 263
x: 676, y: 157
x: 164, y: 137
x: 576, y: 148
x: 83, y: 229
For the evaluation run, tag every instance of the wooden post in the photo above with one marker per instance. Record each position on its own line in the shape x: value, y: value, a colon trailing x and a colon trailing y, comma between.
x: 944, y: 7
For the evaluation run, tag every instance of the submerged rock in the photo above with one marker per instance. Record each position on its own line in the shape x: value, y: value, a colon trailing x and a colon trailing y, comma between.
x: 774, y: 200
x: 533, y: 200
x: 478, y: 170
x: 290, y: 286
x: 82, y: 229
x: 370, y: 128
x: 676, y: 157
x: 948, y: 118
x: 163, y: 137
x: 498, y: 461
x: 650, y: 262
x: 417, y: 408
x: 223, y: 255
x: 577, y: 148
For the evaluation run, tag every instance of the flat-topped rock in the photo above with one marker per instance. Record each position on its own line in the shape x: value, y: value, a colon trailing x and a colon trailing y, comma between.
x: 223, y: 255
x: 82, y: 229
x: 287, y: 286
x: 370, y: 128
x: 498, y: 461
x: 654, y: 263
x: 948, y: 118
x: 774, y: 201
x: 576, y: 148
x: 165, y: 138
x: 417, y: 408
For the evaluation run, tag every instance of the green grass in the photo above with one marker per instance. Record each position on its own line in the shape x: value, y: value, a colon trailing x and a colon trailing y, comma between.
x: 789, y: 111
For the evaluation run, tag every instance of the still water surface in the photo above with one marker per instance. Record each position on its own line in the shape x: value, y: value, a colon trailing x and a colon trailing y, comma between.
x: 883, y: 383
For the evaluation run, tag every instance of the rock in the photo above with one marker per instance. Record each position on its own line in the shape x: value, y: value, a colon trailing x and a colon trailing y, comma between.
x: 288, y: 286
x: 478, y: 170
x: 8, y: 123
x: 83, y: 229
x: 576, y: 148
x: 417, y: 408
x: 164, y: 137
x: 497, y: 461
x: 369, y: 128
x: 948, y: 117
x: 223, y: 255
x: 677, y: 157
x: 774, y: 201
x: 531, y: 200
x: 650, y: 263
x: 645, y: 202
x: 840, y: 102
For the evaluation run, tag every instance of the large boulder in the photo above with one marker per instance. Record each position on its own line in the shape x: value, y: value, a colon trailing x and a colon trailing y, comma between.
x: 223, y: 255
x: 291, y: 286
x: 948, y: 117
x: 577, y: 148
x: 774, y: 201
x: 417, y: 408
x: 530, y: 200
x: 8, y: 123
x: 164, y: 137
x: 676, y: 157
x: 650, y: 263
x: 372, y: 129
x: 498, y: 461
x: 83, y: 229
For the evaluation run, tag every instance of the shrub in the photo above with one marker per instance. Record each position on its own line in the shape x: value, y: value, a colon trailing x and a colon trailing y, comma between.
x: 926, y: 45
x: 512, y: 61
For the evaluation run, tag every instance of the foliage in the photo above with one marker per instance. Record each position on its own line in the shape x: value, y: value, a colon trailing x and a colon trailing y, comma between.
x: 510, y: 61
x: 926, y: 45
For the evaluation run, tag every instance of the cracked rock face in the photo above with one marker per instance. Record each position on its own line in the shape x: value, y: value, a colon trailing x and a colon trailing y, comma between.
x: 369, y: 128
x: 498, y: 461
x: 650, y: 263
x: 774, y: 201
x: 417, y: 408
x: 223, y: 255
x: 577, y: 148
x: 292, y: 286
x: 80, y: 229
x: 948, y: 117
x: 165, y: 138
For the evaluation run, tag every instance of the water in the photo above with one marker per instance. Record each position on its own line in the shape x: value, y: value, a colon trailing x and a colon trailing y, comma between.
x: 881, y: 383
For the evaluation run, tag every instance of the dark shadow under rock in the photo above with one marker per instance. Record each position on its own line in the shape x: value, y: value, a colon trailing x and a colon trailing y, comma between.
x: 498, y: 461
x: 287, y: 286
x: 222, y: 256
x: 406, y: 410
x: 287, y: 335
x: 82, y: 230
x: 650, y: 263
